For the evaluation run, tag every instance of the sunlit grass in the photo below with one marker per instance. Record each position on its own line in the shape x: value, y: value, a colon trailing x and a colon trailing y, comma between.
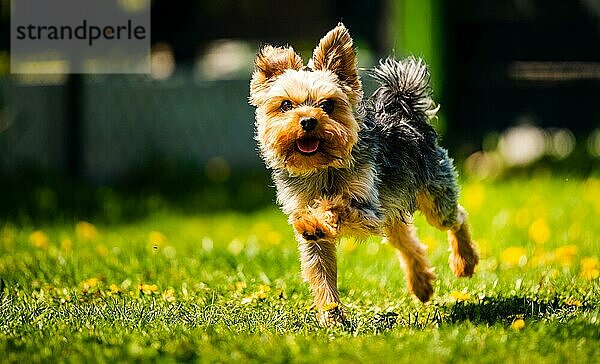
x: 226, y: 286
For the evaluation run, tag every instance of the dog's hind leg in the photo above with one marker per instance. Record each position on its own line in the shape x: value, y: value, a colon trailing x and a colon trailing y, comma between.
x: 463, y: 256
x: 411, y: 252
x: 442, y: 211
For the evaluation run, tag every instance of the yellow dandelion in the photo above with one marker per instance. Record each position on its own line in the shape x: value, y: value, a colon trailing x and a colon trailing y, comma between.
x: 460, y: 296
x: 114, y: 289
x: 102, y: 250
x: 590, y: 274
x: 39, y: 239
x: 565, y: 254
x: 148, y: 289
x: 86, y: 231
x: 239, y: 286
x: 572, y: 302
x: 330, y: 306
x: 542, y: 259
x: 263, y: 290
x: 589, y: 268
x: 539, y: 231
x: 89, y: 283
x: 156, y: 239
x: 514, y: 256
x: 169, y: 295
x: 589, y: 263
x: 518, y: 324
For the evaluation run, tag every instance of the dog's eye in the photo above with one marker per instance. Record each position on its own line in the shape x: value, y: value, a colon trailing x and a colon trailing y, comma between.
x: 327, y: 106
x: 286, y: 105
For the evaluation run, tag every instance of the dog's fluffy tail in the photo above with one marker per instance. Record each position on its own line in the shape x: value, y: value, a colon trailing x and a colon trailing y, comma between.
x: 404, y: 88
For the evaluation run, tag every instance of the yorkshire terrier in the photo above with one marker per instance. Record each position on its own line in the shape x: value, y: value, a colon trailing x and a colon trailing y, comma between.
x: 343, y: 165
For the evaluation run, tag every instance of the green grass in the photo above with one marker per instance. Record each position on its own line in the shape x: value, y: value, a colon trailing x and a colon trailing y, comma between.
x: 226, y: 287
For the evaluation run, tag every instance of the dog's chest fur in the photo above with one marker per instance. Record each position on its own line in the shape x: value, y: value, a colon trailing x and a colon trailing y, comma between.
x: 358, y: 185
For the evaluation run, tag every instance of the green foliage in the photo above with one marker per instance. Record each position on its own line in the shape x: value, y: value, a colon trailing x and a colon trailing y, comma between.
x: 225, y: 286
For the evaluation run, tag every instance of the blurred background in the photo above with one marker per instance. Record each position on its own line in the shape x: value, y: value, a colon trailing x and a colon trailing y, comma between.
x: 518, y: 81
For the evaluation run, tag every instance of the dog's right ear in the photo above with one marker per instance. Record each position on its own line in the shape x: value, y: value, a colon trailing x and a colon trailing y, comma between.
x: 269, y: 64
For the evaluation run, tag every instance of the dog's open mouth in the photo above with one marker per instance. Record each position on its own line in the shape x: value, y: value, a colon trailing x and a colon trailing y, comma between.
x: 307, y: 145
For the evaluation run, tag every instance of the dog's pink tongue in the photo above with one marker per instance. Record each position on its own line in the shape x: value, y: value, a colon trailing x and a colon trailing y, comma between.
x: 307, y: 145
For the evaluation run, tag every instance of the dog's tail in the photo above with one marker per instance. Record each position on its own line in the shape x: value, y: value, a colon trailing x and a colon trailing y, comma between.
x: 404, y: 88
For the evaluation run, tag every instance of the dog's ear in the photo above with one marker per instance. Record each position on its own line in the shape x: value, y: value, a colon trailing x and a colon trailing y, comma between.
x: 336, y: 53
x: 269, y: 64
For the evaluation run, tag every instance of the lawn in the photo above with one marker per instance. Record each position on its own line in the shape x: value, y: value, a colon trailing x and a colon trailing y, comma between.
x: 222, y: 287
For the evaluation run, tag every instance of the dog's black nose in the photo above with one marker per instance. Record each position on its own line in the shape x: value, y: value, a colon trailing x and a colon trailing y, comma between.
x: 308, y: 124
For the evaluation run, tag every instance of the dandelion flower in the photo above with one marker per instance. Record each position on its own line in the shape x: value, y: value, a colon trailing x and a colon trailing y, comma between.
x: 263, y: 290
x: 86, y: 231
x: 542, y: 259
x: 514, y: 256
x: 169, y: 295
x: 330, y: 306
x: 573, y: 302
x: 102, y: 250
x: 157, y: 239
x: 114, y: 288
x: 460, y: 296
x: 88, y: 284
x: 590, y: 268
x: 539, y: 231
x: 565, y: 254
x: 39, y: 239
x: 518, y: 324
x: 148, y: 289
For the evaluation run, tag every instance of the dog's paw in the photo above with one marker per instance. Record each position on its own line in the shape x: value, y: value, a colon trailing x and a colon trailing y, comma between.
x: 316, y: 224
x: 464, y: 265
x: 332, y: 314
x: 421, y: 284
x: 463, y: 254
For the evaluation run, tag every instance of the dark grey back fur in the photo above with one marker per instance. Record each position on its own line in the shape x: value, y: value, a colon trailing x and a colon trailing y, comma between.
x: 396, y: 155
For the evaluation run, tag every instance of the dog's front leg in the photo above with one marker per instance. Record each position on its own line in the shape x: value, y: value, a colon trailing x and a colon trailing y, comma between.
x: 319, y: 269
x: 317, y: 227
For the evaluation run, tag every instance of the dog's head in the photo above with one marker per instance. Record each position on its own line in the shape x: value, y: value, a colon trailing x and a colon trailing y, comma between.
x: 306, y: 116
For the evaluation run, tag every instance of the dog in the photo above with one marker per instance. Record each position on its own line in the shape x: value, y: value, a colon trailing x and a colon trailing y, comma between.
x: 344, y: 165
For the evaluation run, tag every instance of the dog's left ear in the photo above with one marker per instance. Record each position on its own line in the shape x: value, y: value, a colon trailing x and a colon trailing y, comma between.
x: 270, y: 63
x: 336, y: 53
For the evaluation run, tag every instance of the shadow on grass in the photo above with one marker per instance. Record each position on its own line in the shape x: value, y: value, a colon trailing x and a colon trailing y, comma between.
x: 487, y: 311
x: 492, y: 310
